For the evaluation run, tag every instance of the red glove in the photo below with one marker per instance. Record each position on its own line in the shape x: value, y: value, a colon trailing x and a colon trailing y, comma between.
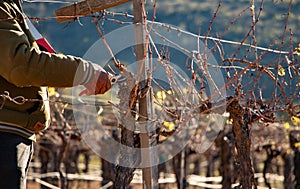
x: 99, y: 83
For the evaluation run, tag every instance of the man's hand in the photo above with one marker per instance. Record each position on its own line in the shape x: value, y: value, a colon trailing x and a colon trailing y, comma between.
x: 99, y: 84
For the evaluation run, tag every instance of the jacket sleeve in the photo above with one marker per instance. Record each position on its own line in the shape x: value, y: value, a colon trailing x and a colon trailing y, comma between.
x: 23, y: 64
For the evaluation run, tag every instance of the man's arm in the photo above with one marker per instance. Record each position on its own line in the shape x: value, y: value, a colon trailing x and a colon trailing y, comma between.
x: 23, y: 64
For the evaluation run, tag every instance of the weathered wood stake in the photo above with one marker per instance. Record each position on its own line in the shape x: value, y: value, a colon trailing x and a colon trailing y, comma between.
x: 146, y: 112
x: 83, y: 8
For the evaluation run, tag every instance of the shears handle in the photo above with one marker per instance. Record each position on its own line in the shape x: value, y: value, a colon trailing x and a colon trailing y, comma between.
x: 115, y: 79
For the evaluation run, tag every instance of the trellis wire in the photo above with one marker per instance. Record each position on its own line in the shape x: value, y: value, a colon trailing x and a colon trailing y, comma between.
x: 174, y: 28
x: 49, y: 1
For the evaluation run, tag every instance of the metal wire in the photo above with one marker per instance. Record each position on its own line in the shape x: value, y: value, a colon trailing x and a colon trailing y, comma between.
x: 174, y: 28
x: 49, y: 1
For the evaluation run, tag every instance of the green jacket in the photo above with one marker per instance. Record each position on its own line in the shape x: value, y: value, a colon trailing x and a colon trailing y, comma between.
x: 26, y: 71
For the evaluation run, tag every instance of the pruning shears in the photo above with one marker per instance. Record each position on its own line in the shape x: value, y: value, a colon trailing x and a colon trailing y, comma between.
x: 117, y: 79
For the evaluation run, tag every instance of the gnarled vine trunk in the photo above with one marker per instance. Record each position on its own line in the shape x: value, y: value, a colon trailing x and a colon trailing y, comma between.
x: 242, y: 139
x: 124, y: 175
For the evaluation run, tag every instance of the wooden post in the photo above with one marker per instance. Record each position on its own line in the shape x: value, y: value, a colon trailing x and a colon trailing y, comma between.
x: 82, y: 8
x: 146, y: 112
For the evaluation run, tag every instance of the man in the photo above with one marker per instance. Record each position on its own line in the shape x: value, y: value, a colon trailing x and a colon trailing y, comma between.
x: 26, y: 71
